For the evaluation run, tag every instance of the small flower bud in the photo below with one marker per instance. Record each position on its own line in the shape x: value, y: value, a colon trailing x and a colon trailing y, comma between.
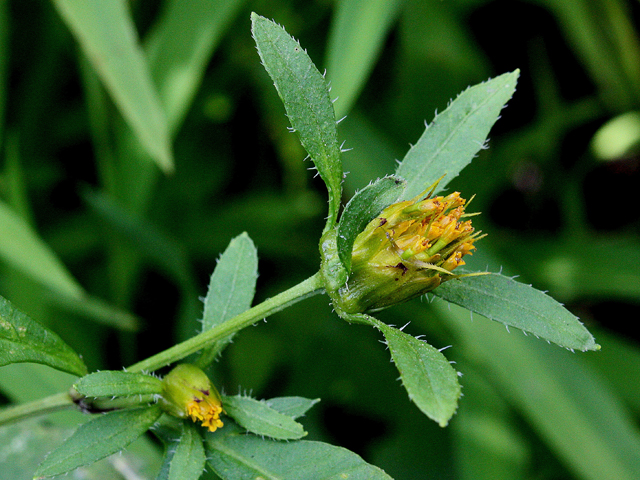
x: 408, y: 250
x: 188, y: 392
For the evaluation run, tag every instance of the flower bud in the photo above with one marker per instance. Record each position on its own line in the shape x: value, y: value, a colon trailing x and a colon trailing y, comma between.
x: 188, y: 392
x: 407, y: 251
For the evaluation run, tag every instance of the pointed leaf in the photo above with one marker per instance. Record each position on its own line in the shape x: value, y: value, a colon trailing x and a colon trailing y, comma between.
x: 260, y: 418
x: 233, y: 455
x: 107, y: 35
x: 430, y: 380
x: 305, y: 95
x: 293, y: 407
x: 231, y: 289
x: 97, y: 439
x: 118, y: 384
x: 188, y: 460
x: 504, y: 300
x: 456, y: 135
x: 363, y: 207
x: 25, y: 340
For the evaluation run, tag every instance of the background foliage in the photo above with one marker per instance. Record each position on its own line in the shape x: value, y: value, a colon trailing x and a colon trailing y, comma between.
x: 112, y: 254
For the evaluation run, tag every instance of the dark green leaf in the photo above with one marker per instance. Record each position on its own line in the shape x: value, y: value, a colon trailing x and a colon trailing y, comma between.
x: 97, y: 439
x: 363, y: 207
x: 231, y: 288
x: 430, y: 380
x: 118, y: 384
x: 188, y: 460
x: 305, y: 95
x: 262, y: 419
x: 504, y: 300
x: 234, y: 455
x: 25, y: 340
x: 293, y: 407
x: 456, y: 135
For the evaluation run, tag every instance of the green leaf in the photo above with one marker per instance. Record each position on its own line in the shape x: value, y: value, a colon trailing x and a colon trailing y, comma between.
x: 456, y: 135
x: 231, y: 289
x: 118, y: 384
x: 293, y: 407
x: 23, y: 248
x: 188, y: 460
x: 305, y: 95
x: 358, y: 31
x: 363, y: 207
x: 97, y: 439
x: 504, y: 300
x: 107, y: 35
x: 25, y: 340
x: 572, y: 409
x: 233, y: 455
x: 260, y: 418
x: 430, y: 380
x: 179, y: 47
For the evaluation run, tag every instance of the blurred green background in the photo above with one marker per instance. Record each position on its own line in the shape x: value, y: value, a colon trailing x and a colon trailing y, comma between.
x: 111, y: 253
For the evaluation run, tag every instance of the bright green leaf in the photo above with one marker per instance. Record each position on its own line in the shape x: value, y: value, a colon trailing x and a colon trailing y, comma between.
x: 188, y: 460
x: 305, y: 95
x: 25, y: 340
x: 110, y: 383
x: 104, y: 435
x: 107, y: 35
x: 260, y: 418
x: 504, y: 300
x: 231, y: 288
x: 456, y: 135
x: 430, y: 380
x: 363, y: 207
x: 233, y: 455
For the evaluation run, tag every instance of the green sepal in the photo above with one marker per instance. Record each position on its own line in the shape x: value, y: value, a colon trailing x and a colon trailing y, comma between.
x: 110, y: 383
x: 363, y: 207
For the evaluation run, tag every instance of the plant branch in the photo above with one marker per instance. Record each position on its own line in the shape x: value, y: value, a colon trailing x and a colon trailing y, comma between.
x: 52, y: 403
x: 311, y: 286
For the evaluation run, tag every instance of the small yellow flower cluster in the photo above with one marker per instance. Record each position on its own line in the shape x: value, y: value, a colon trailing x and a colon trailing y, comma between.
x: 408, y: 250
x: 188, y: 392
x: 206, y: 411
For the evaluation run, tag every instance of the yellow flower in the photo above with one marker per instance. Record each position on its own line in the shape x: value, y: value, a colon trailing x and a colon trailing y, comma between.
x: 188, y: 392
x: 408, y: 250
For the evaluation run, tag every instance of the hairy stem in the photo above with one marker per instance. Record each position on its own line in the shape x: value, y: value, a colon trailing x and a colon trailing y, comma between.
x: 52, y: 403
x: 311, y: 286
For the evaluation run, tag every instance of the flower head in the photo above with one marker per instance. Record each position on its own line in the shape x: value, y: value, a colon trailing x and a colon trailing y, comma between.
x: 188, y: 392
x: 408, y: 250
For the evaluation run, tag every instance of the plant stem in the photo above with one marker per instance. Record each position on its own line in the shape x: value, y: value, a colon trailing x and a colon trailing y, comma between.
x: 311, y: 286
x: 52, y: 403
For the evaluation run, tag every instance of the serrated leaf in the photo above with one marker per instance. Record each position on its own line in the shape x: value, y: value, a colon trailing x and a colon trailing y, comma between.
x: 456, y: 135
x: 293, y: 407
x: 504, y: 300
x: 25, y: 340
x: 306, y: 99
x: 110, y: 383
x: 107, y: 35
x: 429, y: 378
x: 233, y: 455
x: 97, y: 439
x: 363, y: 207
x: 188, y: 460
x: 231, y: 288
x: 261, y: 419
